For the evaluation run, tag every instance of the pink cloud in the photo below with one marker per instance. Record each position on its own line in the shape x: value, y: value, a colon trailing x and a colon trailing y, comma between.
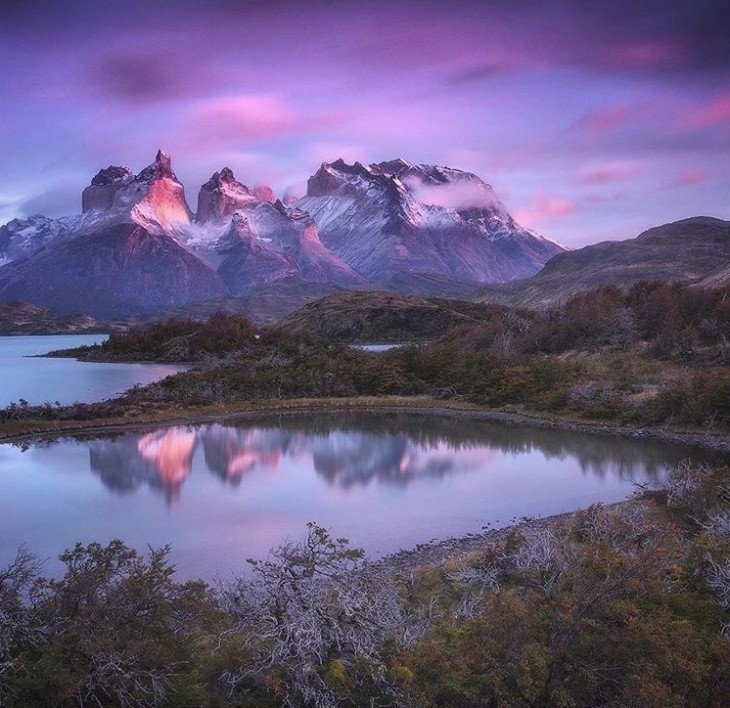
x: 609, y: 172
x: 715, y: 111
x: 656, y: 53
x: 604, y: 120
x: 690, y: 176
x: 544, y: 208
x: 242, y: 118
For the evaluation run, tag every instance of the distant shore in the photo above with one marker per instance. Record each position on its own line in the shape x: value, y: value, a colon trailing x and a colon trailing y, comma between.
x: 128, y: 420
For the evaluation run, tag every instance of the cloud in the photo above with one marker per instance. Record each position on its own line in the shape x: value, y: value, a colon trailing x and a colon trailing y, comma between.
x: 545, y: 208
x: 609, y: 172
x: 149, y: 77
x: 456, y: 195
x: 651, y: 54
x: 60, y: 199
x: 240, y: 119
x: 604, y: 120
x: 690, y: 176
x: 9, y: 207
x: 476, y: 73
x: 713, y: 112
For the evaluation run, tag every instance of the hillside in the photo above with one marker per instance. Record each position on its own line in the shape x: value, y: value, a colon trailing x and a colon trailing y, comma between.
x: 24, y: 318
x: 692, y: 251
x: 382, y: 317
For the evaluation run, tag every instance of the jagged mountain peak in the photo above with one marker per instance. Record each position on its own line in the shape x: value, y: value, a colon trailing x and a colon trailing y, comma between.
x: 110, y: 175
x: 154, y: 198
x: 393, y: 167
x: 221, y: 196
x: 159, y: 169
x: 400, y: 179
x: 223, y: 177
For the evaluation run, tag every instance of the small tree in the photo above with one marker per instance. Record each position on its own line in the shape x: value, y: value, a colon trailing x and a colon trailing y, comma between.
x: 115, y: 630
x: 319, y: 622
x: 18, y: 630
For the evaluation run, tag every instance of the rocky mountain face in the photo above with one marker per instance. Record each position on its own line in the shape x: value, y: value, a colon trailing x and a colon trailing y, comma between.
x: 420, y: 219
x: 261, y: 241
x: 113, y: 272
x: 694, y: 251
x: 137, y: 247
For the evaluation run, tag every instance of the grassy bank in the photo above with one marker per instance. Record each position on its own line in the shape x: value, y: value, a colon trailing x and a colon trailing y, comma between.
x: 161, y: 414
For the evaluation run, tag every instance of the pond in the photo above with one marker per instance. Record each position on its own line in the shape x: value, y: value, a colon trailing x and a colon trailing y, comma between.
x: 220, y: 493
x: 47, y: 380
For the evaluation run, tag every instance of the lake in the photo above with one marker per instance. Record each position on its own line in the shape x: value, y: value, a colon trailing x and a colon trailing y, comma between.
x: 220, y: 493
x: 66, y: 380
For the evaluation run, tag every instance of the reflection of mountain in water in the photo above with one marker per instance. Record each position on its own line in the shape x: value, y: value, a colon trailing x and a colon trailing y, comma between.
x: 161, y: 459
x: 232, y: 452
x: 348, y: 458
x: 600, y: 455
x: 358, y: 450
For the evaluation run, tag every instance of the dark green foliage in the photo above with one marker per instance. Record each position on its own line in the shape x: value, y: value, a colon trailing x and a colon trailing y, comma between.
x: 613, y: 607
x: 115, y: 630
x: 174, y: 340
x: 655, y: 354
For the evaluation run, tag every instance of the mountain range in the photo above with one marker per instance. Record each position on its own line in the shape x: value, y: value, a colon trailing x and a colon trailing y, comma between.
x: 138, y: 249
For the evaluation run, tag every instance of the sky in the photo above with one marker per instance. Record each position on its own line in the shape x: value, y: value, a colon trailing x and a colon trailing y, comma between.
x: 591, y: 120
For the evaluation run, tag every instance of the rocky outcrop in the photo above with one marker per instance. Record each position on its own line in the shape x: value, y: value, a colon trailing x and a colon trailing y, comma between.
x: 221, y: 196
x: 268, y: 242
x: 154, y: 198
x: 99, y: 195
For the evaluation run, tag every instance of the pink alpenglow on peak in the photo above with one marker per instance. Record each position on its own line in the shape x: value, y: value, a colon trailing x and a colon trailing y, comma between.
x: 154, y: 198
x: 221, y: 196
x: 163, y: 205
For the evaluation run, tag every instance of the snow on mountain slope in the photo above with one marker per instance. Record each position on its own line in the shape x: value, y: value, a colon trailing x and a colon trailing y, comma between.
x: 153, y: 199
x: 253, y: 241
x: 398, y: 217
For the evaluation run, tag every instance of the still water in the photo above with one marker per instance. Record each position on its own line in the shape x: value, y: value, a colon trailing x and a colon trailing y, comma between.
x: 220, y: 493
x: 40, y: 380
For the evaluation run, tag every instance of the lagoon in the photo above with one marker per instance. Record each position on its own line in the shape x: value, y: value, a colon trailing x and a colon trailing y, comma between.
x: 47, y: 380
x: 222, y: 492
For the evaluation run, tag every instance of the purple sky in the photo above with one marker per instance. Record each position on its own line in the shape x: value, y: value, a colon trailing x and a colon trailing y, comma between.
x: 592, y: 120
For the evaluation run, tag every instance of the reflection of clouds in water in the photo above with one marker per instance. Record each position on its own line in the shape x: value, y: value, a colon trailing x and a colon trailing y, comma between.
x: 396, y: 450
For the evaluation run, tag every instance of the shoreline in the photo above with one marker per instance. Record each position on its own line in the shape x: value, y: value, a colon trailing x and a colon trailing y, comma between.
x: 21, y: 431
x: 438, y: 551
